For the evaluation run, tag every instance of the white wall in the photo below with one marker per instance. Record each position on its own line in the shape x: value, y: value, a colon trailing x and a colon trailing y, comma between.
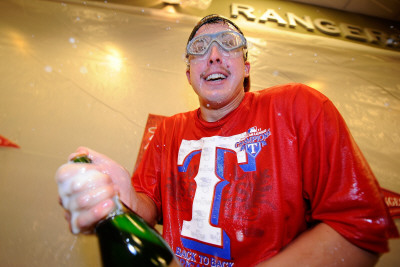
x: 79, y: 74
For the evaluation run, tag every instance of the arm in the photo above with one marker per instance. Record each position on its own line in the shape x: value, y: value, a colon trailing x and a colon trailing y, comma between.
x: 322, y: 246
x: 339, y: 186
x: 146, y: 209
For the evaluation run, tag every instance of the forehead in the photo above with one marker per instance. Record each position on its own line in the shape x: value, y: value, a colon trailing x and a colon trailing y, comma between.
x: 213, y: 28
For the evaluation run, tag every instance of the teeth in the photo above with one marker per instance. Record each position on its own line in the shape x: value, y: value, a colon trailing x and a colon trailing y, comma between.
x: 215, y: 76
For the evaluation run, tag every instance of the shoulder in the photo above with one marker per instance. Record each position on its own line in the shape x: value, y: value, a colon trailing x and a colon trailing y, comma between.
x: 292, y: 97
x: 291, y: 91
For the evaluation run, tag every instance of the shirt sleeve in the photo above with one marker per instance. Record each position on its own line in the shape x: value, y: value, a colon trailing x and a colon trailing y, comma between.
x: 339, y: 185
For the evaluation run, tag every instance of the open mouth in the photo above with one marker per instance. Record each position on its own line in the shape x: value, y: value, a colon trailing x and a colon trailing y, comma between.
x: 215, y: 77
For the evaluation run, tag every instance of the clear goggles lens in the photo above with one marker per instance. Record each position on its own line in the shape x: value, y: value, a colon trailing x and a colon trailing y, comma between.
x: 228, y: 40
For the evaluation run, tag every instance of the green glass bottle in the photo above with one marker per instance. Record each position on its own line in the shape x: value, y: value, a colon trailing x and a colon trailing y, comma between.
x: 125, y: 239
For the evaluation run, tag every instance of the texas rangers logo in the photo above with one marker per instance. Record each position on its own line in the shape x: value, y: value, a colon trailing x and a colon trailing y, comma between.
x: 254, y: 141
x: 203, y: 231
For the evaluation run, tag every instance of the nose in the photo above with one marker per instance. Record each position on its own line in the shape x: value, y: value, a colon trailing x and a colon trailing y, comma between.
x: 215, y: 55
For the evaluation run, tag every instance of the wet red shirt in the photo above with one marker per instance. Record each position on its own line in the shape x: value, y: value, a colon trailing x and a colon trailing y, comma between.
x: 236, y: 191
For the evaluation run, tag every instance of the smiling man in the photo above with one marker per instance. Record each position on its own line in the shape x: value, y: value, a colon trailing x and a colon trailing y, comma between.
x: 217, y: 67
x: 268, y: 178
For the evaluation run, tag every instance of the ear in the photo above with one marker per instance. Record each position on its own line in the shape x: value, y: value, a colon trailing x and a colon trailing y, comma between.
x: 246, y: 69
x: 188, y: 75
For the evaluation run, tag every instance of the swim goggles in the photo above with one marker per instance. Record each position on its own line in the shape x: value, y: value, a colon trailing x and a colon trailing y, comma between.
x: 227, y: 40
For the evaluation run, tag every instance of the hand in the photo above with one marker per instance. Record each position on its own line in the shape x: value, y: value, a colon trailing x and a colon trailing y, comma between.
x: 86, y: 190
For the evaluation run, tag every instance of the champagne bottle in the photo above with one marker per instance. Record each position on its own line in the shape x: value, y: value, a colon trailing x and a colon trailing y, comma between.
x: 125, y: 239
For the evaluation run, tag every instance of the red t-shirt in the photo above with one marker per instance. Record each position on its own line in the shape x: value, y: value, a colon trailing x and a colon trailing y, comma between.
x: 238, y: 190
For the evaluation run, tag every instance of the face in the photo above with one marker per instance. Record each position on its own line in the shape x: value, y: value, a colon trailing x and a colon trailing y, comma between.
x: 217, y: 77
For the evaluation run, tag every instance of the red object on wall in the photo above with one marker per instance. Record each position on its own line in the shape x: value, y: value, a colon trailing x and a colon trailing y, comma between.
x: 392, y: 200
x: 5, y: 142
x: 151, y: 126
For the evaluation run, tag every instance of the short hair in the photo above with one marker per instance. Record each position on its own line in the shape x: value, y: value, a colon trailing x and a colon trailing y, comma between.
x: 214, y: 19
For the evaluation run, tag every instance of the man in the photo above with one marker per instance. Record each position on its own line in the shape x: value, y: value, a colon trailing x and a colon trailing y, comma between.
x: 271, y: 178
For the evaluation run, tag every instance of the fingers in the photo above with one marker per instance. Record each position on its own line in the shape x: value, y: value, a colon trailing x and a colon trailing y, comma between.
x: 86, y: 220
x: 92, y: 209
x: 86, y: 190
x: 87, y: 199
x: 119, y: 175
x: 75, y: 178
x: 86, y: 193
x: 88, y: 208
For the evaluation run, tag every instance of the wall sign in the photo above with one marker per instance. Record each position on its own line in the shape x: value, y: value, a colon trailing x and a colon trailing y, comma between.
x: 325, y: 26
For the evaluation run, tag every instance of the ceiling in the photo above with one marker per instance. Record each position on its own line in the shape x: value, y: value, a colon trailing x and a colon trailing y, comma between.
x: 387, y: 9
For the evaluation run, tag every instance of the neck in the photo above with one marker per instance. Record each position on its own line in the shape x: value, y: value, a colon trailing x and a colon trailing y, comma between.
x: 213, y: 112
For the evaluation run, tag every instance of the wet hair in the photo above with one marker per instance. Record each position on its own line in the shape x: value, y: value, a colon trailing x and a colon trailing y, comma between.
x: 215, y: 19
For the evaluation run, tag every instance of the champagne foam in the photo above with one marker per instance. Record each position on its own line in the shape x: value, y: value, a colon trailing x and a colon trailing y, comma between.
x: 85, y: 181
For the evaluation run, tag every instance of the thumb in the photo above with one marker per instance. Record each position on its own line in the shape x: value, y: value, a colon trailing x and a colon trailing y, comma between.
x: 96, y: 157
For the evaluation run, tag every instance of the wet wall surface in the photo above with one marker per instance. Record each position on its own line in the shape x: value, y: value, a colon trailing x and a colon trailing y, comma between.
x: 76, y: 73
